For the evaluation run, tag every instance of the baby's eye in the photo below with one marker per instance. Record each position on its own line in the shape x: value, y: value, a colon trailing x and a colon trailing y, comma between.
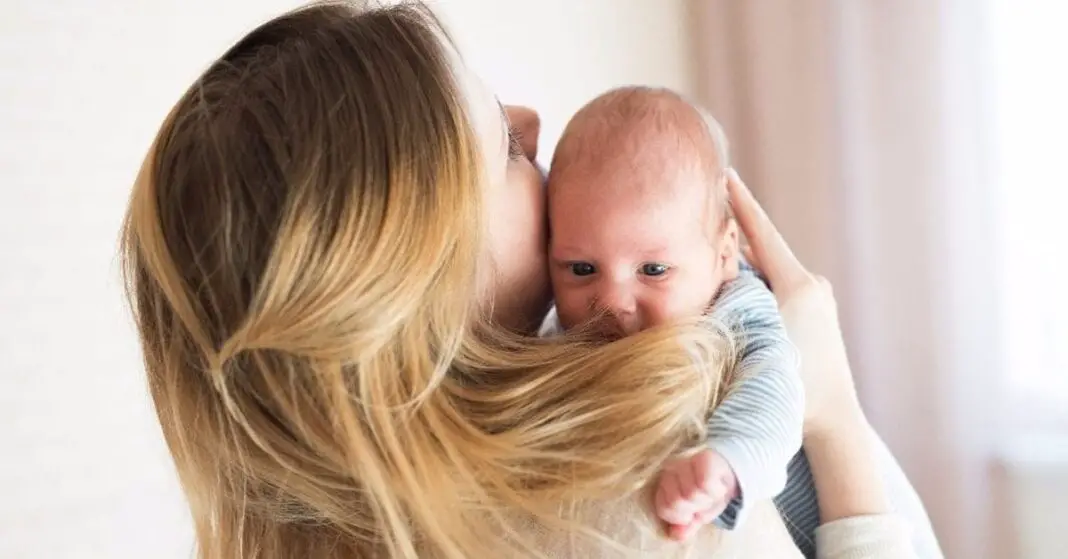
x: 582, y: 268
x: 654, y: 269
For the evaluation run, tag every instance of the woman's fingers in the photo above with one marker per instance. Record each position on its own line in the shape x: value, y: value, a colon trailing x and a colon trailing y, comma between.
x: 768, y: 250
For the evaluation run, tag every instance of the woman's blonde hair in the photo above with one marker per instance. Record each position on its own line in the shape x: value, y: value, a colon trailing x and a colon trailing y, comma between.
x: 301, y: 252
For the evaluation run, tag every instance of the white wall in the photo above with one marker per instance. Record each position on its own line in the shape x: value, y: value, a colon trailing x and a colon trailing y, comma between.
x: 83, y: 87
x: 554, y: 55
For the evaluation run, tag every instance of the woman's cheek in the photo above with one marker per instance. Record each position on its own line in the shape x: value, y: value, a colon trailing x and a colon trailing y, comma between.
x: 519, y: 241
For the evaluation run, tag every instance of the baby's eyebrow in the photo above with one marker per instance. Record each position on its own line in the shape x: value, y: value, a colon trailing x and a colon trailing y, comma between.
x: 559, y: 253
x: 655, y: 251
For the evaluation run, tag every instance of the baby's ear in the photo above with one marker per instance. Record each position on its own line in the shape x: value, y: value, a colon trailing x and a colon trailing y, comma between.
x: 729, y: 251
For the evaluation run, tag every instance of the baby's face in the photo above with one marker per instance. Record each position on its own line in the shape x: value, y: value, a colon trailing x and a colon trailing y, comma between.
x: 638, y: 252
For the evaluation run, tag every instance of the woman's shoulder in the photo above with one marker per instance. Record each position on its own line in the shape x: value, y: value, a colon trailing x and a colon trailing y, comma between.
x: 635, y: 532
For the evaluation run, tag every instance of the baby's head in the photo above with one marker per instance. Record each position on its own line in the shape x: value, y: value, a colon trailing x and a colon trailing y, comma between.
x: 640, y: 230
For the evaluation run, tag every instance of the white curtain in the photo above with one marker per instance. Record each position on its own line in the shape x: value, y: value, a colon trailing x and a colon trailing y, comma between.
x: 860, y: 125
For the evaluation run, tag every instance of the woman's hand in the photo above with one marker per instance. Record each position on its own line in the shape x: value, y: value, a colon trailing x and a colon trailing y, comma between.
x: 809, y: 312
x: 837, y: 435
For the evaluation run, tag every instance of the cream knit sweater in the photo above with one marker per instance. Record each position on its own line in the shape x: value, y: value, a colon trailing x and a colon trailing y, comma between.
x: 762, y: 536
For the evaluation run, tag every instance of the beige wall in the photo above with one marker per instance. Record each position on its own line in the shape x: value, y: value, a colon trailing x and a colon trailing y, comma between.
x: 555, y: 55
x: 83, y: 472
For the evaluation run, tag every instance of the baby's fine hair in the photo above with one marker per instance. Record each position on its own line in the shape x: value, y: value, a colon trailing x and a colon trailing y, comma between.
x: 624, y: 120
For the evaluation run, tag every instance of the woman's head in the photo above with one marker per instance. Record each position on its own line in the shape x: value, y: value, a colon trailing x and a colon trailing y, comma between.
x: 324, y: 239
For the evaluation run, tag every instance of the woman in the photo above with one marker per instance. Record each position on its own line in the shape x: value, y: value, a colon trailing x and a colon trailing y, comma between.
x: 334, y: 250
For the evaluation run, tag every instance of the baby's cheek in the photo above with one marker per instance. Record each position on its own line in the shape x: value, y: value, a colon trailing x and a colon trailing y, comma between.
x: 663, y: 310
x: 568, y: 306
x: 690, y: 299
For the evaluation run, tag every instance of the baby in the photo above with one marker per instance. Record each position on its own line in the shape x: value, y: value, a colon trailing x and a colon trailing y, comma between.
x: 641, y: 233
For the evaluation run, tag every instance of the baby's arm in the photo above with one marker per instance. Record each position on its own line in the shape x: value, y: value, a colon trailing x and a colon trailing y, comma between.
x: 757, y: 426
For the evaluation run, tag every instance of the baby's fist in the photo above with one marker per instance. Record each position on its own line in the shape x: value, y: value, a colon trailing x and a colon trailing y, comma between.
x: 694, y: 491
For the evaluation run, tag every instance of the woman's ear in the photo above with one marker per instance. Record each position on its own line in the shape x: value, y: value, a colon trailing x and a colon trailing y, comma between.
x: 527, y: 122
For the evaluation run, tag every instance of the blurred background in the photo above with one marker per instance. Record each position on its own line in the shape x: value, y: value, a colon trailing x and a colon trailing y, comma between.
x: 912, y: 151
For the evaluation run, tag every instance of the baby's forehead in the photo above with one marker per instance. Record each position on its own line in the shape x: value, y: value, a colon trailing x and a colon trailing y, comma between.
x: 638, y: 163
x: 653, y: 221
x: 651, y: 177
x: 632, y: 191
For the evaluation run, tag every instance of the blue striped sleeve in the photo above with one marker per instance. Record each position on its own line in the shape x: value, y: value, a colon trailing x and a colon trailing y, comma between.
x: 757, y: 426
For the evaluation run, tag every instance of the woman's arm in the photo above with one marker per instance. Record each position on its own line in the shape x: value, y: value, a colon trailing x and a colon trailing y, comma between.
x: 854, y: 509
x: 845, y: 471
x: 848, y: 532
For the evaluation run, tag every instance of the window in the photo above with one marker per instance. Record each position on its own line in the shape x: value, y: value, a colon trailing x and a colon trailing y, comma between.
x: 1030, y: 61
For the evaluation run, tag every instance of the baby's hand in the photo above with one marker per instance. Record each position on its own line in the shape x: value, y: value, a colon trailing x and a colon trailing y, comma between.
x: 693, y: 492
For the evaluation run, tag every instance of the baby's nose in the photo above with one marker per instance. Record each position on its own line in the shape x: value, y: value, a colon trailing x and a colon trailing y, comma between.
x: 619, y: 310
x: 616, y: 300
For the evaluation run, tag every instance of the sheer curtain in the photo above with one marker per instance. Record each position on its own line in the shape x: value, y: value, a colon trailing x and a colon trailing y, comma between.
x: 1029, y: 45
x: 864, y: 128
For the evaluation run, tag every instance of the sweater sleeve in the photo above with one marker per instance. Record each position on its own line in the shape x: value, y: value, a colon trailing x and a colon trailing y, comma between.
x: 879, y: 536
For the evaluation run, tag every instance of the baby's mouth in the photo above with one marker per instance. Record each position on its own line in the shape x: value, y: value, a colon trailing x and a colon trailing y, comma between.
x: 609, y: 329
